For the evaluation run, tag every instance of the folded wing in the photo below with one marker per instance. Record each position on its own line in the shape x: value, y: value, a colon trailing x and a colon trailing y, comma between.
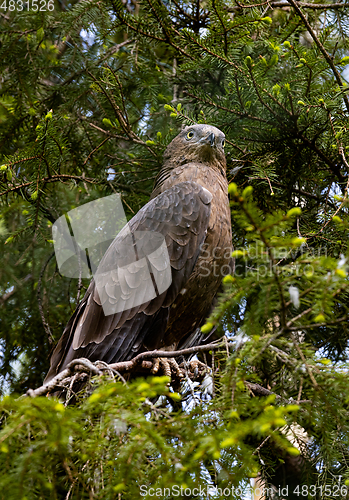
x: 127, y: 304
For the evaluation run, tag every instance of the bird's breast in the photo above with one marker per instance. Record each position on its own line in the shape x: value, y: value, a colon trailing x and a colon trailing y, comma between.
x: 194, y: 301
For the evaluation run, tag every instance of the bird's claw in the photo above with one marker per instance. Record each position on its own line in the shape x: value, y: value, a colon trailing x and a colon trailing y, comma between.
x: 156, y: 365
x: 168, y: 365
x: 174, y: 365
x: 195, y: 367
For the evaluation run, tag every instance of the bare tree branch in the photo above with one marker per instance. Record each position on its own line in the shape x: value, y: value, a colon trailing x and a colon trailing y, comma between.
x: 83, y: 364
x: 305, y: 5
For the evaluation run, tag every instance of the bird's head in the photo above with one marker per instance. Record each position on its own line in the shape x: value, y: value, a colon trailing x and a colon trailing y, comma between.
x: 197, y: 143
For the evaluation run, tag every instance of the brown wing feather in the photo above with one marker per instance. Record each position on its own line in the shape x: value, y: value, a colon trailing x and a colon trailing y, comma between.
x: 181, y: 214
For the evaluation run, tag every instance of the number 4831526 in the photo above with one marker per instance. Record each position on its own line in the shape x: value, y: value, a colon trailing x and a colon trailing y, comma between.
x: 34, y: 5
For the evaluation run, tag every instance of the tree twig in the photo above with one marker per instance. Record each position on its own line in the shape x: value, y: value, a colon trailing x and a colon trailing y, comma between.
x: 38, y: 294
x: 83, y: 364
x: 322, y: 49
x: 305, y: 5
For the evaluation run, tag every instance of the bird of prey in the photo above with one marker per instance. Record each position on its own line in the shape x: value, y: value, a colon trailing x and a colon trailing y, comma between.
x: 189, y: 208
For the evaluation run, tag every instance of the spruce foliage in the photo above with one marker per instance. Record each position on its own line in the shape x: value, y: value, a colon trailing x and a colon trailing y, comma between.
x: 90, y: 95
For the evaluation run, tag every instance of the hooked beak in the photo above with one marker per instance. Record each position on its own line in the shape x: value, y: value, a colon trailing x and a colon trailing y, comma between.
x: 209, y: 139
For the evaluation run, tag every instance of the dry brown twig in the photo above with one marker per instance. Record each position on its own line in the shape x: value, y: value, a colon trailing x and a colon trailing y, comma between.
x: 79, y: 370
x: 280, y: 4
x: 141, y: 362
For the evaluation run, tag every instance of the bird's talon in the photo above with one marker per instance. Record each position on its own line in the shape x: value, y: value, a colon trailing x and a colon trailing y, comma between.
x: 166, y: 367
x: 196, y: 366
x: 173, y: 363
x: 156, y: 366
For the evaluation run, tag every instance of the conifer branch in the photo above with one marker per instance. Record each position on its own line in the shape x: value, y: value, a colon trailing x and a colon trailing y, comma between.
x: 79, y: 178
x: 209, y: 51
x: 272, y: 260
x: 318, y: 325
x: 157, y: 9
x: 296, y: 190
x: 206, y: 100
x: 259, y: 390
x: 261, y: 100
x: 6, y: 296
x: 223, y: 27
x: 306, y: 5
x: 334, y: 167
x: 96, y: 149
x: 38, y: 294
x: 147, y: 34
x: 131, y: 137
x: 322, y: 49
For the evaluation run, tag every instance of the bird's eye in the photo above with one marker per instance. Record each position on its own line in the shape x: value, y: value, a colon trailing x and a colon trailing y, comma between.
x: 190, y: 134
x: 223, y: 143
